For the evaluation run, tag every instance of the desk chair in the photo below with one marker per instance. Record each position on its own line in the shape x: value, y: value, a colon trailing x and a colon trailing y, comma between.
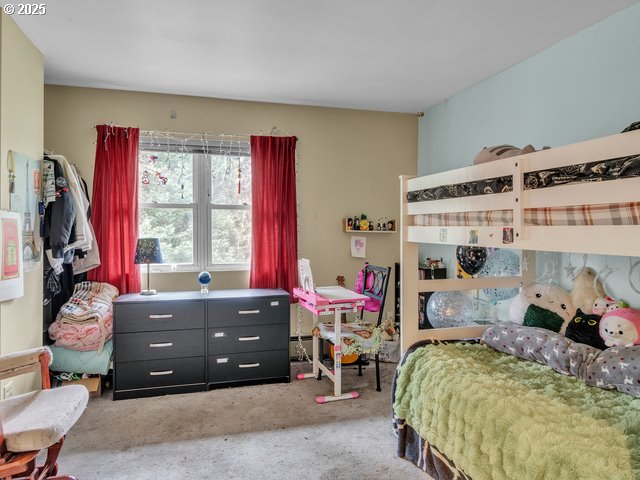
x: 374, y: 285
x: 37, y: 420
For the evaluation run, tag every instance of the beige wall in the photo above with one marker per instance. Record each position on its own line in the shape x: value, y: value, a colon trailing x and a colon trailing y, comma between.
x: 349, y: 163
x: 21, y: 130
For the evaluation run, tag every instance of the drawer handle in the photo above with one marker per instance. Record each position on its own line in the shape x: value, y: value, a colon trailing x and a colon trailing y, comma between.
x: 248, y: 312
x: 248, y: 339
x: 248, y: 365
x: 161, y: 345
x: 161, y: 372
x: 161, y: 315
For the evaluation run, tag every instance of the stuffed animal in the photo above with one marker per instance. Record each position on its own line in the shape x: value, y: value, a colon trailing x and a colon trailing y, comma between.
x: 550, y: 301
x: 621, y: 327
x: 602, y: 305
x: 618, y: 304
x: 585, y: 328
x: 583, y: 293
x: 488, y: 154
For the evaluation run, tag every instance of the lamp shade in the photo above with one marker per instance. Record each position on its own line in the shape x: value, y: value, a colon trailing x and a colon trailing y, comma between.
x: 148, y: 251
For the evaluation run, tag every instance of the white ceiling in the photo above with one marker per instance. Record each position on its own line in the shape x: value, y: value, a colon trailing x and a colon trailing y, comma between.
x: 392, y: 55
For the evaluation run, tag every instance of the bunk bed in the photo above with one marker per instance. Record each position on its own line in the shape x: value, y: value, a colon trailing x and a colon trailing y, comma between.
x: 583, y: 198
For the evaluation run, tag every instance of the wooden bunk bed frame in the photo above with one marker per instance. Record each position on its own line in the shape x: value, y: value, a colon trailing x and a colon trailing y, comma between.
x: 594, y: 239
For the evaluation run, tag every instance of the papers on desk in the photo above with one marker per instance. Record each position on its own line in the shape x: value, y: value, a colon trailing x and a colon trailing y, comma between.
x: 336, y: 294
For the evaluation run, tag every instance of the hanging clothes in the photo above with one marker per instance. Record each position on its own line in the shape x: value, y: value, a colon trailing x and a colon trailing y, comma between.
x: 87, y: 260
x: 84, y: 235
x: 48, y: 182
x: 60, y: 215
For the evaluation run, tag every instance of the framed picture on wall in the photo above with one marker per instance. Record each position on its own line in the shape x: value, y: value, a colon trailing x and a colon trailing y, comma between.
x: 24, y: 196
x: 11, y: 269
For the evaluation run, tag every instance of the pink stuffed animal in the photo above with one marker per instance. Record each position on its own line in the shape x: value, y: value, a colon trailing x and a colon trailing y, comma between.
x: 621, y: 327
x: 606, y: 304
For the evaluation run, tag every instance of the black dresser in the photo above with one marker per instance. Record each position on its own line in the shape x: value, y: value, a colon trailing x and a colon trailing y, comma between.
x: 179, y: 342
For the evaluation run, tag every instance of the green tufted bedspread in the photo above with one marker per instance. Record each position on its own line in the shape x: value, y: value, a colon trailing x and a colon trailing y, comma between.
x: 499, y: 417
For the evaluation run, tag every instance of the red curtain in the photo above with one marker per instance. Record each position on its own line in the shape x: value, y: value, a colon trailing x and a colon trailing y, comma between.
x: 114, y: 212
x: 274, y: 244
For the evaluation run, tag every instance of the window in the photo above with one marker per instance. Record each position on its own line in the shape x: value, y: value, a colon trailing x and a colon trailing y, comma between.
x: 197, y: 201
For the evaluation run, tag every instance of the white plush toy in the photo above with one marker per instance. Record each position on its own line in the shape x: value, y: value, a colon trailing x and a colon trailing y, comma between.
x: 548, y: 297
x: 602, y: 305
x: 583, y: 293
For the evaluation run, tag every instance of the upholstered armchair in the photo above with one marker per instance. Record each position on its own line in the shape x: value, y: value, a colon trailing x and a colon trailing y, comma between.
x: 37, y: 420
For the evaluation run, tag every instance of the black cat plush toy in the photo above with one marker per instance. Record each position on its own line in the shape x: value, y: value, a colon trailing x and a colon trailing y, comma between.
x: 585, y: 328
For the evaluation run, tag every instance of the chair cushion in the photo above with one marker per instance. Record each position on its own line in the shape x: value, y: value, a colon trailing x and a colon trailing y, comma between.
x: 37, y: 420
x: 356, y: 337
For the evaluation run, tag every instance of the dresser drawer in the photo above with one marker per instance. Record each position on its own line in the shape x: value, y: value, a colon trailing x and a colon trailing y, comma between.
x: 150, y: 317
x: 248, y: 366
x: 248, y: 311
x: 253, y: 338
x: 158, y: 345
x: 159, y: 373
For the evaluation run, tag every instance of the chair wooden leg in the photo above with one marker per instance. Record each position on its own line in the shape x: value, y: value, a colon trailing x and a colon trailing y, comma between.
x: 378, y: 389
x: 52, y: 457
x: 359, y: 365
x: 50, y: 468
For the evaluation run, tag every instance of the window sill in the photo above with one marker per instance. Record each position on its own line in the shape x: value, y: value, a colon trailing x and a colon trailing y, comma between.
x: 194, y: 269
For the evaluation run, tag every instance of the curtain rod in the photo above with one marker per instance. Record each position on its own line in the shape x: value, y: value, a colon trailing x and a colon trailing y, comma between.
x: 275, y: 131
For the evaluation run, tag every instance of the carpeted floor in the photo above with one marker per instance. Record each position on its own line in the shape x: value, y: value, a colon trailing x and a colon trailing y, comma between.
x: 267, y: 432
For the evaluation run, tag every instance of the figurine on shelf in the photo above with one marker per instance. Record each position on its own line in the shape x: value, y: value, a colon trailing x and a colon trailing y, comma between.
x: 371, y: 227
x: 379, y: 227
x: 391, y: 225
x: 384, y: 226
x: 364, y: 223
x: 349, y: 223
x: 356, y: 223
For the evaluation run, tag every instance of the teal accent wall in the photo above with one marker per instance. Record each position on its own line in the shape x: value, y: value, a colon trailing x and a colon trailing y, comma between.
x: 584, y: 87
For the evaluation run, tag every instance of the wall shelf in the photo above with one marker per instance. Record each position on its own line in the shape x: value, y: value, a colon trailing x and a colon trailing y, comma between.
x: 349, y: 222
x: 369, y: 231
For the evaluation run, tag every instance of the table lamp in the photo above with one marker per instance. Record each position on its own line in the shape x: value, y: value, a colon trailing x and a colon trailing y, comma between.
x: 148, y: 251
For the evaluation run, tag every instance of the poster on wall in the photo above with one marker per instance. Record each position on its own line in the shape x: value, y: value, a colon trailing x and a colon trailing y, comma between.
x: 359, y: 247
x: 11, y: 271
x: 24, y: 196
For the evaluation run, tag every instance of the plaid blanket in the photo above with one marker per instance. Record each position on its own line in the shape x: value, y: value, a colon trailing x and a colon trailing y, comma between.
x: 85, y: 322
x: 91, y: 301
x: 601, y: 214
